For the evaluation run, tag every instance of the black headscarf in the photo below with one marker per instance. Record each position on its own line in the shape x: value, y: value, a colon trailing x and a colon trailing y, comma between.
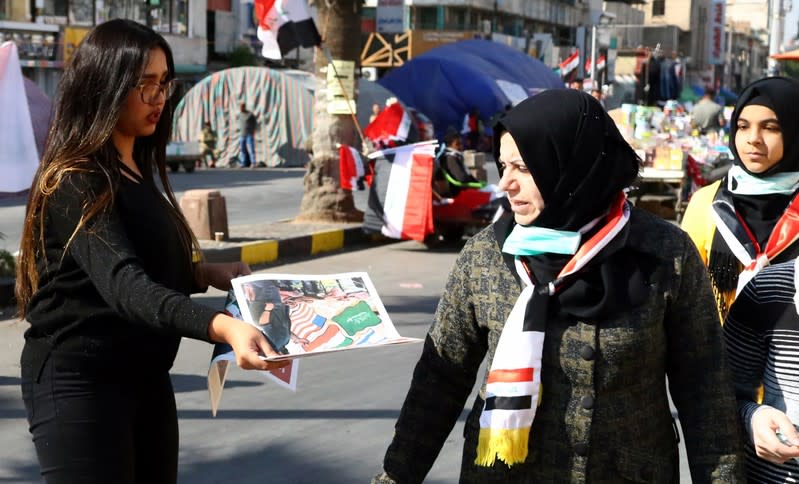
x: 577, y: 156
x: 580, y: 164
x: 760, y: 212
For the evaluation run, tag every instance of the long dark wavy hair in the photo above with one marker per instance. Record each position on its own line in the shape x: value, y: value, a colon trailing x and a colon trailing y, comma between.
x: 105, y: 67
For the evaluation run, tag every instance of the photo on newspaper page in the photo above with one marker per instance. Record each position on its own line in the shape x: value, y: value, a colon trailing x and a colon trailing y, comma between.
x: 303, y: 315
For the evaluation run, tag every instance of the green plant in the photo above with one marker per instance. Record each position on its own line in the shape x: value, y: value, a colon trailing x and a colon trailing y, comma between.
x: 242, y: 56
x: 7, y: 264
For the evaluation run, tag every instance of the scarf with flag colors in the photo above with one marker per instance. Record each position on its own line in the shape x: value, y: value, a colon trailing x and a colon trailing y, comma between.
x: 284, y: 25
x: 742, y: 242
x: 401, y: 197
x: 353, y: 172
x: 513, y: 389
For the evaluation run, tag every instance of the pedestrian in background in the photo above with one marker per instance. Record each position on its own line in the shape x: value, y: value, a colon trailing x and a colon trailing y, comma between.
x: 746, y: 220
x: 583, y: 306
x: 208, y: 145
x: 247, y: 124
x: 708, y: 115
x: 106, y: 268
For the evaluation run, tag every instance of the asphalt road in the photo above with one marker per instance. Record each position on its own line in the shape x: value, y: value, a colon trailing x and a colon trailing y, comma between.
x: 251, y: 196
x: 334, y: 429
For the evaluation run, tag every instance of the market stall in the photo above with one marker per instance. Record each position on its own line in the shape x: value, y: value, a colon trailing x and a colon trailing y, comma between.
x: 677, y: 159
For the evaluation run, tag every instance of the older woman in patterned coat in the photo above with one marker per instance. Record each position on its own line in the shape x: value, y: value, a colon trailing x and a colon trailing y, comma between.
x: 585, y: 308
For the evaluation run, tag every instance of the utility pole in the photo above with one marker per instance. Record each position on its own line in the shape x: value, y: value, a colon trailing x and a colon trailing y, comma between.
x: 776, y: 21
x: 593, y: 57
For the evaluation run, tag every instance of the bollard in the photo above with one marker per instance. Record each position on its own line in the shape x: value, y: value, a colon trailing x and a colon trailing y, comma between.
x: 206, y: 213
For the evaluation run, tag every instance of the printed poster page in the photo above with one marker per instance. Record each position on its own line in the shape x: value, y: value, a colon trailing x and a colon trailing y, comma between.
x: 305, y: 315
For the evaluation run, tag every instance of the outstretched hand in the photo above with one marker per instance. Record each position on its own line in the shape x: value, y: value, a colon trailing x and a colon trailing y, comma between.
x: 248, y: 343
x: 765, y: 423
x: 219, y: 274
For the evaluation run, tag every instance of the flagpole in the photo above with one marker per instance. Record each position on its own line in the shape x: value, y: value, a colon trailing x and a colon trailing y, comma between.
x: 332, y: 64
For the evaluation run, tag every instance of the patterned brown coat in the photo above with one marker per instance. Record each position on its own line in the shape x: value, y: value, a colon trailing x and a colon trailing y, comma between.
x: 604, y: 414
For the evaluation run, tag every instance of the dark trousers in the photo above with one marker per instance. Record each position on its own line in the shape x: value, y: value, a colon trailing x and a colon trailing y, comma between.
x: 90, y: 427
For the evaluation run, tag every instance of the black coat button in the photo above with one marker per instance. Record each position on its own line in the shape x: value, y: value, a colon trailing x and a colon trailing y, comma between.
x: 581, y: 449
x: 587, y: 353
x: 587, y: 403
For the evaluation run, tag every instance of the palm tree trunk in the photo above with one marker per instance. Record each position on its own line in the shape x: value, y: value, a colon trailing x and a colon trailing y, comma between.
x: 324, y: 200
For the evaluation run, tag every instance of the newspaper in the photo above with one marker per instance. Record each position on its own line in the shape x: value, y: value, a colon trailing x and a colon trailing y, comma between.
x: 304, y: 315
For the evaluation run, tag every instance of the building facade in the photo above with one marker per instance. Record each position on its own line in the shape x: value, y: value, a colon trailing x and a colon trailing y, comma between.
x: 46, y: 32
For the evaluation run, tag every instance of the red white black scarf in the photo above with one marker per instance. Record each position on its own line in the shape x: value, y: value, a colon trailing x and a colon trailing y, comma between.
x: 742, y: 242
x: 513, y: 390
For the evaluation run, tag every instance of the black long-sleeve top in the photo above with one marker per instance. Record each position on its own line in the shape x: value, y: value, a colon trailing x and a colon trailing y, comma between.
x: 119, y: 296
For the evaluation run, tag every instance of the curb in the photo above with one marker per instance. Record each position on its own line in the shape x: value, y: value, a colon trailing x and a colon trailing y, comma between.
x: 273, y: 250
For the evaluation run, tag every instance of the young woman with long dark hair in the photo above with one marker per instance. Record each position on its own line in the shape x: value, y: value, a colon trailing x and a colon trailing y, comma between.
x: 105, y: 271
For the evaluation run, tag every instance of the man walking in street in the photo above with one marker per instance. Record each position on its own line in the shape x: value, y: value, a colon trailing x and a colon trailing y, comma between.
x: 707, y: 114
x: 247, y: 123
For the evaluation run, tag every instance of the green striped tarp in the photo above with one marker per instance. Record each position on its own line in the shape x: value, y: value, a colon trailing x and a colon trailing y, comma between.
x: 283, y: 107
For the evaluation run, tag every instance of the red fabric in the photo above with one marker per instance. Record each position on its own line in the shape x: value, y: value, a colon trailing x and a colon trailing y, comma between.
x: 261, y: 8
x: 785, y: 233
x: 472, y: 123
x: 348, y: 172
x: 418, y: 220
x: 391, y: 124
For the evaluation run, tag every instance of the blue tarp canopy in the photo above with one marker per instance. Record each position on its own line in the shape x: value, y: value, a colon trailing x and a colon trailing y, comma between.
x: 445, y: 83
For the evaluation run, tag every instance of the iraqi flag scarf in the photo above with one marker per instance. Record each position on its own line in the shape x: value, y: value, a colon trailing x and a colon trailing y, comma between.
x: 580, y: 164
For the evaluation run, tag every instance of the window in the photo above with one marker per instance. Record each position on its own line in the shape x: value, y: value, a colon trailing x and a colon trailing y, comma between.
x: 81, y: 12
x: 658, y: 7
x: 426, y: 18
x: 164, y: 16
x: 130, y: 9
x: 4, y: 9
x: 180, y: 17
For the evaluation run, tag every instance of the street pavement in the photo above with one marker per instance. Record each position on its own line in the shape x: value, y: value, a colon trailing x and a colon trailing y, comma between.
x: 334, y: 429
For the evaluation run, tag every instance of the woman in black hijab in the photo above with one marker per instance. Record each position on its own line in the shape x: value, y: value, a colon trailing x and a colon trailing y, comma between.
x: 745, y: 221
x: 583, y: 306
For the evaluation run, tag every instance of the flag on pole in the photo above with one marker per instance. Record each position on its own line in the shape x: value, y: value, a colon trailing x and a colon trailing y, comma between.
x: 570, y: 63
x: 284, y: 25
x: 599, y: 65
x: 401, y: 197
x: 353, y: 172
x: 392, y: 125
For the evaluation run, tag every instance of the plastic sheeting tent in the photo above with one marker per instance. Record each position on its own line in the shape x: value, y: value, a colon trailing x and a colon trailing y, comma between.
x: 446, y: 82
x: 282, y: 105
x: 24, y: 121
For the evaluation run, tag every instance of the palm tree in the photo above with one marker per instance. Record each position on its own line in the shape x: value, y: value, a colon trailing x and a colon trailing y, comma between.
x: 324, y: 200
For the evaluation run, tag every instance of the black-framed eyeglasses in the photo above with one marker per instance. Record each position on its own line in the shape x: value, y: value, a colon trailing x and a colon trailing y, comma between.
x: 150, y: 91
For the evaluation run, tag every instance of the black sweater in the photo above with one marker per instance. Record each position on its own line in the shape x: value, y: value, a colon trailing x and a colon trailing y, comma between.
x: 119, y: 296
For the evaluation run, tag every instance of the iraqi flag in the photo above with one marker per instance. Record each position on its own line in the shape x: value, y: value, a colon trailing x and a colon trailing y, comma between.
x: 391, y: 126
x: 599, y: 65
x: 401, y: 197
x: 570, y: 63
x: 353, y: 172
x: 284, y: 25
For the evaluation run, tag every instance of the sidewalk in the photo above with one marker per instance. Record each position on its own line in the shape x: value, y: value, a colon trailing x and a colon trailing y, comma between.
x: 268, y: 243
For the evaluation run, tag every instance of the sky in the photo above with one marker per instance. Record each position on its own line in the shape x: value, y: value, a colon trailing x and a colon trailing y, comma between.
x: 790, y: 22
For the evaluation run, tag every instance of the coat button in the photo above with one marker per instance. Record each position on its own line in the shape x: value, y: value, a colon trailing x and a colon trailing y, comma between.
x: 587, y: 353
x: 581, y: 449
x: 587, y: 403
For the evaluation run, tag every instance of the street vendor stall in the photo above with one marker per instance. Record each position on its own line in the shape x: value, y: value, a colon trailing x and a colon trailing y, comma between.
x: 677, y: 160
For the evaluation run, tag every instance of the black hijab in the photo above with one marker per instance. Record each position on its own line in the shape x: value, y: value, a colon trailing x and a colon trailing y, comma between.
x: 577, y: 156
x: 760, y: 212
x: 580, y: 163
